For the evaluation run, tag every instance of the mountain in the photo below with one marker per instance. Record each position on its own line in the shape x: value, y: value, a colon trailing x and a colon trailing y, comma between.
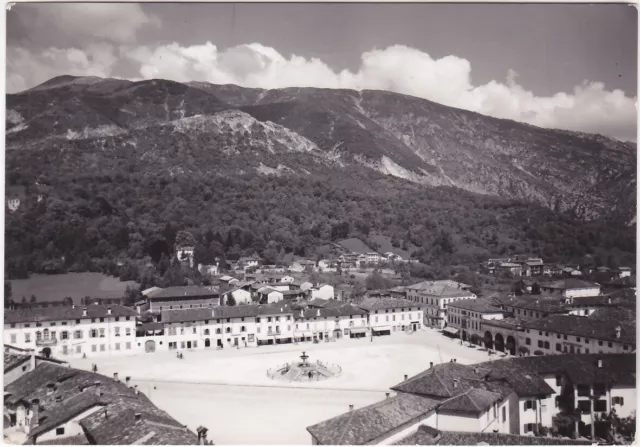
x: 120, y: 160
x: 411, y: 138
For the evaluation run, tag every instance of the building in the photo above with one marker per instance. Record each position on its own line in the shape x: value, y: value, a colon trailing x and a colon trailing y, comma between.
x: 465, y: 318
x: 426, y: 435
x: 54, y: 404
x: 513, y: 268
x: 435, y: 296
x: 343, y: 292
x: 209, y: 269
x: 240, y: 296
x: 561, y: 334
x: 533, y: 267
x: 18, y: 362
x: 183, y: 297
x: 534, y: 306
x: 324, y: 291
x: 268, y: 295
x: 372, y: 258
x: 330, y: 323
x: 571, y: 288
x: 302, y: 265
x: 72, y: 330
x: 387, y: 315
x: 498, y: 400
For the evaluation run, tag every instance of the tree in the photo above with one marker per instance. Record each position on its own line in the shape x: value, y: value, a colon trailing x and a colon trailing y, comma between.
x: 535, y: 289
x: 33, y: 299
x: 376, y: 281
x: 185, y: 239
x: 231, y: 301
x: 68, y: 301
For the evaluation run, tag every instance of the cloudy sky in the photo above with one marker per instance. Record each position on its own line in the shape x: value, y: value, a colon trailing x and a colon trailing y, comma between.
x: 559, y: 66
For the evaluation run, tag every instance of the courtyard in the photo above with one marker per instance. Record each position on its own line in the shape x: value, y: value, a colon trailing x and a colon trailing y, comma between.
x: 229, y: 391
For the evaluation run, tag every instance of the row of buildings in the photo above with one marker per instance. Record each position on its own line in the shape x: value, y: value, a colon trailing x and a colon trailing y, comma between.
x: 495, y: 402
x: 527, y: 266
x: 47, y: 402
x: 96, y: 330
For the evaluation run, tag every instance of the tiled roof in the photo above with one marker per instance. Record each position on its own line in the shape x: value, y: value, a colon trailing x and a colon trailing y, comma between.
x: 474, y: 400
x: 65, y: 313
x: 386, y: 303
x: 453, y: 379
x: 569, y: 283
x: 185, y: 291
x: 183, y: 315
x: 363, y: 425
x: 11, y: 361
x: 251, y: 310
x: 617, y: 369
x: 584, y: 327
x: 78, y: 392
x: 329, y: 312
x: 426, y: 435
x: 540, y: 303
x: 482, y: 306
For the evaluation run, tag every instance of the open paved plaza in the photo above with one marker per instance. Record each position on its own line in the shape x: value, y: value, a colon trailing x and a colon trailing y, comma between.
x: 229, y: 391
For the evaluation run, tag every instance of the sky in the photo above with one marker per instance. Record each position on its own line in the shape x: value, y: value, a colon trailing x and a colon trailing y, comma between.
x: 569, y: 66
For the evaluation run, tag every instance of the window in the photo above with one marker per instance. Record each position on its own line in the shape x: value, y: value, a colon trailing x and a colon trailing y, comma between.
x: 78, y: 349
x: 625, y: 347
x: 618, y: 400
x: 540, y: 332
x: 206, y: 332
x: 546, y: 345
x: 117, y: 318
x: 557, y: 401
x: 127, y: 345
x: 59, y: 431
x: 599, y: 343
x: 195, y: 330
x: 64, y: 335
x: 529, y: 405
x: 558, y: 380
x: 13, y: 338
x: 558, y: 347
x: 13, y: 325
x: 77, y: 334
x: 38, y: 336
x: 27, y: 325
x: 243, y: 329
x: 257, y: 319
x: 101, y: 347
x: 101, y: 319
x: 528, y: 428
x: 528, y: 341
x: 610, y: 345
x: 101, y: 332
x: 600, y: 405
x: 93, y: 320
x: 227, y: 330
x: 94, y: 348
x: 577, y: 339
x: 504, y: 414
x: 117, y: 346
x: 540, y: 344
x: 116, y: 331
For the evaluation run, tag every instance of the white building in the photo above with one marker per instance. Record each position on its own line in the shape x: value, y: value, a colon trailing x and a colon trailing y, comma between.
x: 571, y: 288
x: 465, y: 317
x: 435, y: 296
x: 330, y: 323
x: 624, y: 272
x: 208, y: 269
x: 569, y: 334
x: 72, y: 331
x: 269, y: 295
x: 387, y: 315
x: 240, y: 296
x: 185, y: 254
x: 324, y: 291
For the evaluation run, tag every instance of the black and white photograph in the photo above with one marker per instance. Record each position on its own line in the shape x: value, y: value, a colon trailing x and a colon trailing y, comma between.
x: 312, y: 223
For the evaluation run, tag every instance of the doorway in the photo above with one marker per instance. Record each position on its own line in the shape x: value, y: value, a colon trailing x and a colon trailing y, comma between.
x: 188, y: 345
x: 207, y: 343
x: 219, y: 343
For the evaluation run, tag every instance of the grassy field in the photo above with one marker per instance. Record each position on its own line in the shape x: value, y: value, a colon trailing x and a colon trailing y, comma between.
x: 75, y: 285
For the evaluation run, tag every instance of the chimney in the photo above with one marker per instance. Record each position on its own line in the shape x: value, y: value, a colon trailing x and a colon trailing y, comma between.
x: 84, y: 312
x: 35, y: 413
x: 136, y: 389
x: 609, y: 300
x: 455, y: 383
x: 350, y: 407
x: 109, y: 310
x: 73, y: 306
x: 97, y: 385
x: 184, y: 428
x: 388, y: 394
x: 599, y: 363
x: 476, y: 370
x: 430, y: 365
x: 127, y: 380
x: 138, y: 417
x: 406, y: 377
x: 618, y: 331
x: 50, y: 388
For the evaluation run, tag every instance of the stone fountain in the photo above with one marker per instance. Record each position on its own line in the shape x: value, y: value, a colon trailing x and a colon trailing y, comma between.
x: 304, y: 371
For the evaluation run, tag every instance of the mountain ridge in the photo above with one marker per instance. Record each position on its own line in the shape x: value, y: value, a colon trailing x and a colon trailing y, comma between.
x: 590, y: 176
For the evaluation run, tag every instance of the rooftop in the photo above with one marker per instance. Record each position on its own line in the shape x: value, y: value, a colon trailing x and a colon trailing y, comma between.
x: 366, y: 424
x: 386, y: 303
x: 76, y: 391
x: 584, y: 327
x: 184, y: 315
x: 481, y: 306
x: 184, y: 291
x: 35, y: 314
x: 426, y: 435
x: 569, y: 283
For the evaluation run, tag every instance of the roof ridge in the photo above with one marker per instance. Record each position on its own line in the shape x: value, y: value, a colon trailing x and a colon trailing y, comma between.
x: 435, y: 373
x: 346, y: 427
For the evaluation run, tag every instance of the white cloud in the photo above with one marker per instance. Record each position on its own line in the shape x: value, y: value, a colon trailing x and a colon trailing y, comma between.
x: 115, y: 22
x: 25, y: 69
x: 589, y: 108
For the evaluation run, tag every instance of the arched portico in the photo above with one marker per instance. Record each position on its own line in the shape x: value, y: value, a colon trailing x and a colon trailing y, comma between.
x: 488, y: 340
x: 499, y: 342
x: 511, y: 345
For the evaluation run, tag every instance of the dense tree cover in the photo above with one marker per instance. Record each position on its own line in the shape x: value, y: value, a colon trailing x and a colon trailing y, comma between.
x: 128, y: 222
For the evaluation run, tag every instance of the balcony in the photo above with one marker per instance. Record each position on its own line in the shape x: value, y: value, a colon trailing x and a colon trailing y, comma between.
x: 46, y: 342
